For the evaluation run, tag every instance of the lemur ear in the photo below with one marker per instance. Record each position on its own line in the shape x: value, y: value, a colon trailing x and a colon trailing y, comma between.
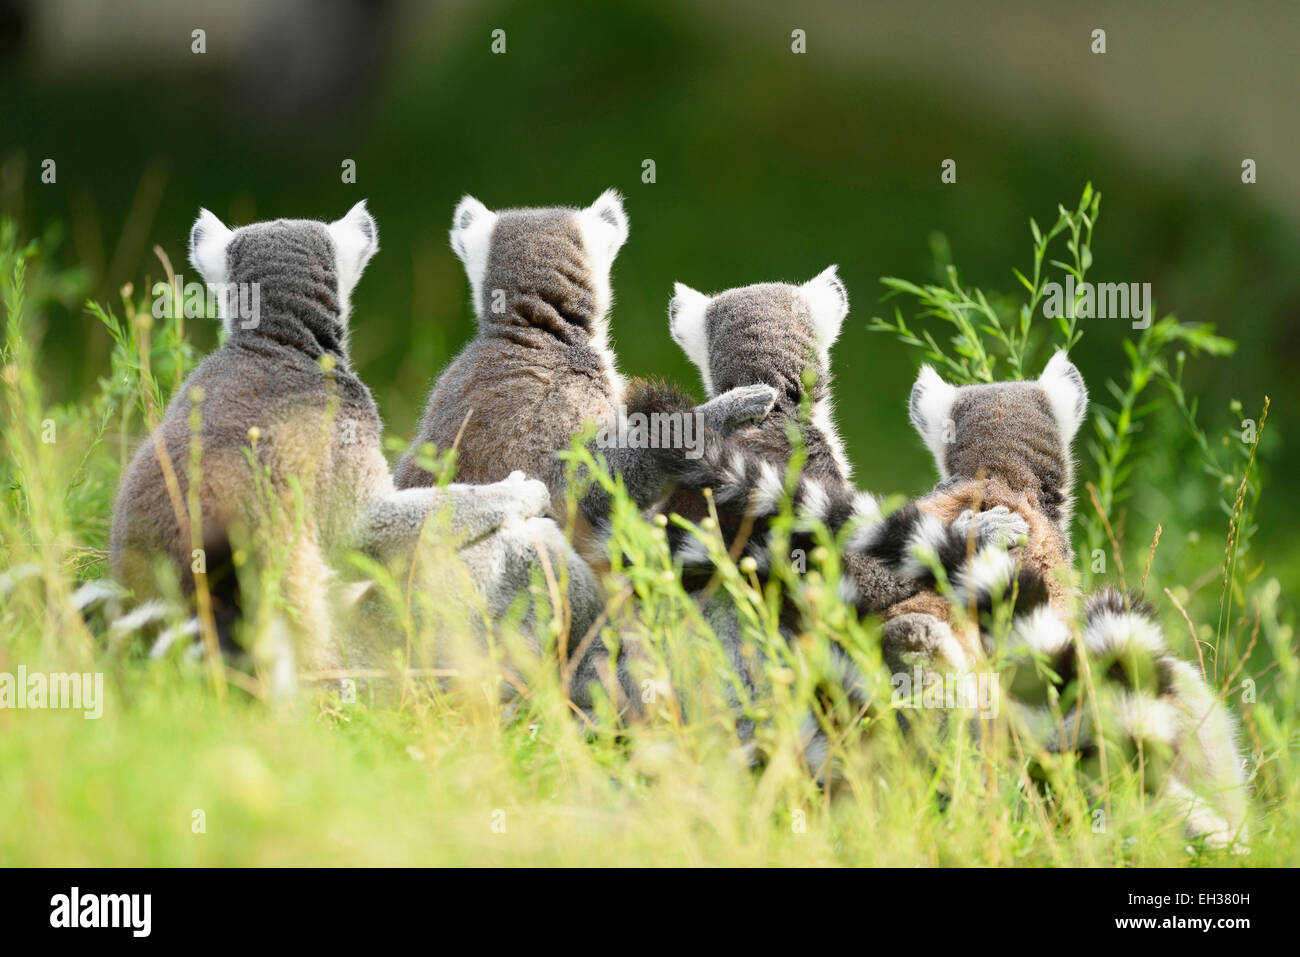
x: 471, y: 239
x: 686, y: 317
x: 471, y: 230
x: 930, y: 409
x: 604, y: 225
x: 687, y: 314
x: 356, y: 239
x: 1066, y: 392
x: 828, y: 302
x: 208, y: 241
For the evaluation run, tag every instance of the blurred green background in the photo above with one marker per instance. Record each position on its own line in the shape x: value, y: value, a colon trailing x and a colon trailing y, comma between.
x: 769, y: 165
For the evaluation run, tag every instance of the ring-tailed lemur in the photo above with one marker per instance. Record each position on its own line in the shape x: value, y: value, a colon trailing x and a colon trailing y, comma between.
x: 541, y: 365
x: 995, y: 445
x: 1008, y: 444
x: 289, y: 440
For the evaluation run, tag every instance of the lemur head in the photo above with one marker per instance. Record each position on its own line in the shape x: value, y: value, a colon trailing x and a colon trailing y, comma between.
x: 768, y: 333
x: 541, y: 267
x: 1019, y: 432
x: 300, y: 267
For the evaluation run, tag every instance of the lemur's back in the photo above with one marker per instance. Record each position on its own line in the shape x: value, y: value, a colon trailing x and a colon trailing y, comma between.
x: 512, y: 402
x: 540, y: 366
x: 322, y: 431
x: 284, y: 395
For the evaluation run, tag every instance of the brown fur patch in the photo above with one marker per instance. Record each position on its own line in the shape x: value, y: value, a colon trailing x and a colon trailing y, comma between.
x: 1047, y: 548
x: 1045, y: 552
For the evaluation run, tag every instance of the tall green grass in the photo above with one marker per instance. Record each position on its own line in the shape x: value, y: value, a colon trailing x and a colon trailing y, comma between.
x: 175, y: 773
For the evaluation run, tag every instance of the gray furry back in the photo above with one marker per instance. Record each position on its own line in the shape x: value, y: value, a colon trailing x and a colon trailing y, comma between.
x: 540, y: 366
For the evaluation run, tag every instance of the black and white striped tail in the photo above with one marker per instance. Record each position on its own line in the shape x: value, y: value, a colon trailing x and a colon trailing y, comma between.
x: 1150, y: 702
x: 744, y: 484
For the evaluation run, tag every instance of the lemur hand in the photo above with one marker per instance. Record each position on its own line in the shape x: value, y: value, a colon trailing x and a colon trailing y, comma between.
x: 999, y: 527
x: 517, y: 498
x: 740, y: 405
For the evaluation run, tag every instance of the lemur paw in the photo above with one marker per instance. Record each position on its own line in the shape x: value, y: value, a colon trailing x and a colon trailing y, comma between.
x: 740, y: 405
x: 999, y: 527
x: 519, y: 497
x: 917, y: 639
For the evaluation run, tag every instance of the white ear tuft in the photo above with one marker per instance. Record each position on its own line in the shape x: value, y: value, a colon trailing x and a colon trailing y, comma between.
x: 828, y: 302
x: 687, y: 324
x: 605, y: 225
x: 604, y: 230
x: 356, y: 239
x: 930, y: 409
x: 208, y: 241
x: 471, y: 239
x: 1066, y: 392
x: 471, y: 229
